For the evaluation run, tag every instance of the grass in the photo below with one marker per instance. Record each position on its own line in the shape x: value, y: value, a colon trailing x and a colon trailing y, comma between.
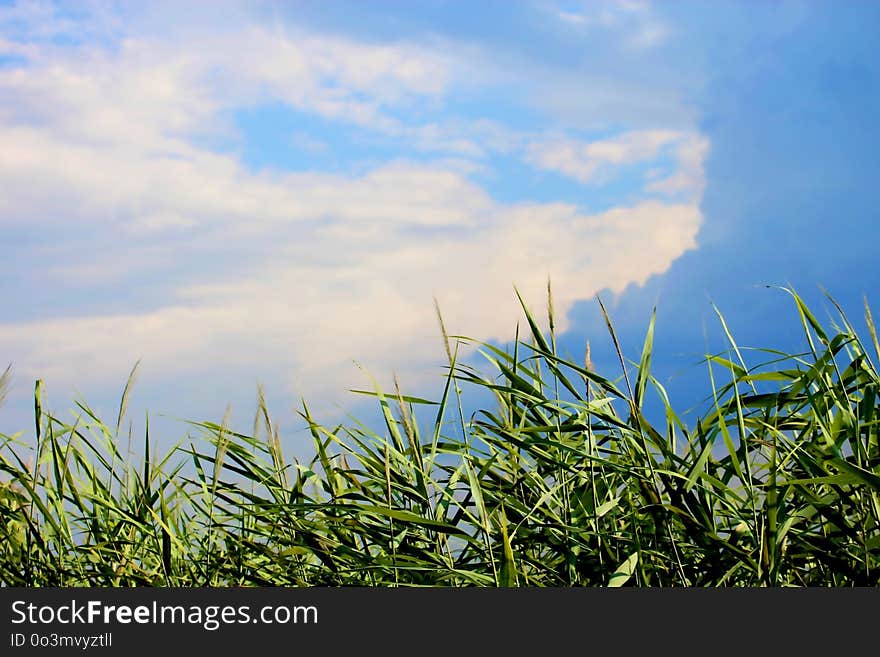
x: 563, y: 482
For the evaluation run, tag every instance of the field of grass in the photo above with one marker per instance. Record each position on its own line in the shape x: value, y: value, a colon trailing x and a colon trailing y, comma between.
x: 564, y: 481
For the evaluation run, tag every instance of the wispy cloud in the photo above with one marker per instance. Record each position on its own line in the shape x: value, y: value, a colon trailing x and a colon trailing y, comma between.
x: 688, y: 179
x: 594, y: 161
x: 635, y: 21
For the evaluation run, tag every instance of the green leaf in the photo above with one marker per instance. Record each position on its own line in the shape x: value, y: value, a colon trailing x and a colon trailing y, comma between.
x: 624, y: 571
x: 406, y: 398
x: 645, y: 363
x: 508, y: 564
x: 409, y: 516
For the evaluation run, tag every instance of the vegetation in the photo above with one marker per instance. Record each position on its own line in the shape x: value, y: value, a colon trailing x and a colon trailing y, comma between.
x: 565, y: 482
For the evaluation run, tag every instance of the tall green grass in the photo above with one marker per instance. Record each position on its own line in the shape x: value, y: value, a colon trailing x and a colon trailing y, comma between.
x: 564, y: 481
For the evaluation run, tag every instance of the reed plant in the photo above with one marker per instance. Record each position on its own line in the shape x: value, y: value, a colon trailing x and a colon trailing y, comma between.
x: 567, y: 479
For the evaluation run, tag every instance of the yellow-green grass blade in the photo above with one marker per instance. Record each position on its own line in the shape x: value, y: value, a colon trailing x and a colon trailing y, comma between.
x: 624, y: 572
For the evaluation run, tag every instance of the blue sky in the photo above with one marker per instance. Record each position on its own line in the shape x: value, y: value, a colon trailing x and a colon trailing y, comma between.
x: 267, y: 192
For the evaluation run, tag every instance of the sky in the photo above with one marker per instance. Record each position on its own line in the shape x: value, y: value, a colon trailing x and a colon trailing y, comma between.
x: 275, y: 193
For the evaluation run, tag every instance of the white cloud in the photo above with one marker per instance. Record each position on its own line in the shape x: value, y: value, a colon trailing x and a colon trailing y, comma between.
x: 689, y: 178
x: 365, y: 293
x: 633, y: 22
x: 148, y: 90
x: 308, y: 270
x: 589, y: 161
x: 40, y: 20
x: 598, y: 161
x: 649, y: 35
x: 571, y: 17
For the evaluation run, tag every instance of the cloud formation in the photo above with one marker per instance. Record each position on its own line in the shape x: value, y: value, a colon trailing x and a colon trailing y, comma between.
x: 599, y: 161
x: 108, y: 156
x: 634, y: 19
